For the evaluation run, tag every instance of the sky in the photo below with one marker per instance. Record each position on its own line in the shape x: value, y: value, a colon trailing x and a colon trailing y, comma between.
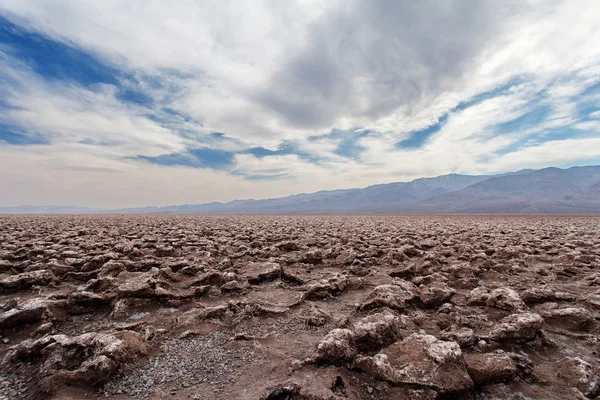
x: 148, y: 102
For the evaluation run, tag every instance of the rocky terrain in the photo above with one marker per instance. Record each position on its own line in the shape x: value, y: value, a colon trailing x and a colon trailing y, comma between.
x: 299, y: 307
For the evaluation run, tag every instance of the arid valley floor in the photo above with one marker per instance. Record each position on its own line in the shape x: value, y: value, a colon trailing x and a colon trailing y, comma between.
x: 299, y: 307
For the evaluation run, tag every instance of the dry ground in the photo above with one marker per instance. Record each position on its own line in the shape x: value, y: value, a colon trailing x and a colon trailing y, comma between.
x: 299, y: 307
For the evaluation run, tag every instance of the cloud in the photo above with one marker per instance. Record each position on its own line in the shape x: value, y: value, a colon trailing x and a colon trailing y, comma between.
x: 263, y: 98
x: 66, y: 113
x: 370, y: 59
x: 595, y: 114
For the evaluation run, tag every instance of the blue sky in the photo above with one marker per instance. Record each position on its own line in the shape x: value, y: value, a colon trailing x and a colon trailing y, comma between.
x: 109, y: 104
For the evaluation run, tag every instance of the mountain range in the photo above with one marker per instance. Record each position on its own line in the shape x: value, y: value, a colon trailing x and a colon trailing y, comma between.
x: 575, y: 190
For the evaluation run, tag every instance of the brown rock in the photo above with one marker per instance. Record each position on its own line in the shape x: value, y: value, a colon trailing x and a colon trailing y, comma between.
x: 28, y: 312
x: 137, y: 288
x: 435, y: 293
x: 83, y: 360
x: 505, y: 299
x: 333, y: 285
x: 542, y: 295
x: 574, y: 318
x: 337, y: 347
x: 378, y: 330
x: 89, y: 299
x: 517, y: 328
x: 394, y: 296
x: 262, y: 272
x: 478, y: 296
x: 577, y: 373
x: 465, y: 337
x: 311, y: 257
x: 288, y: 245
x: 346, y: 257
x: 25, y: 280
x: 488, y: 368
x: 420, y: 360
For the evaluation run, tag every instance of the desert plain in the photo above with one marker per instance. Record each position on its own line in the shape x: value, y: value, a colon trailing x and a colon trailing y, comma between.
x: 299, y: 307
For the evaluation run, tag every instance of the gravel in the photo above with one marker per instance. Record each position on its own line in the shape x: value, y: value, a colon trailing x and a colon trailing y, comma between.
x: 12, y: 387
x: 184, y: 363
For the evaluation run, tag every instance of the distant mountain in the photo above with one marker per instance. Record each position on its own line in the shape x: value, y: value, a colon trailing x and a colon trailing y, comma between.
x: 552, y: 190
x: 545, y: 191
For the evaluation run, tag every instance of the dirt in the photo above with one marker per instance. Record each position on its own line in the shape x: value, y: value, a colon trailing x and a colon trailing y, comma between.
x: 299, y: 307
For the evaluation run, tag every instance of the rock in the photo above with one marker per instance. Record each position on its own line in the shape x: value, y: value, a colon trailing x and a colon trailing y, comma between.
x: 542, y: 295
x: 193, y: 316
x: 411, y: 251
x: 128, y: 307
x: 446, y: 308
x: 89, y: 299
x: 137, y: 287
x: 337, y: 347
x: 295, y: 275
x: 346, y: 257
x: 378, y: 330
x: 405, y: 272
x: 28, y: 312
x: 96, y: 262
x: 86, y: 359
x: 165, y: 251
x: 573, y: 318
x: 507, y: 253
x: 489, y: 368
x: 576, y: 373
x: 430, y: 279
x: 43, y: 329
x: 213, y: 278
x: 262, y: 272
x: 326, y: 287
x: 428, y: 243
x: 149, y: 333
x: 505, y: 299
x: 478, y: 296
x: 435, y: 293
x: 25, y: 280
x: 359, y: 270
x: 100, y: 284
x: 476, y: 321
x: 232, y: 286
x: 420, y: 360
x: 5, y: 265
x: 585, y: 258
x: 8, y: 305
x: 111, y: 268
x: 57, y: 268
x: 316, y: 317
x: 179, y: 294
x: 465, y: 337
x: 394, y: 296
x: 593, y: 300
x: 517, y: 328
x: 288, y: 245
x: 311, y: 257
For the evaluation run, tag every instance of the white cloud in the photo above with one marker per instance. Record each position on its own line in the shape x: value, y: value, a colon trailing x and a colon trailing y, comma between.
x: 263, y: 72
x: 64, y: 113
x: 556, y: 152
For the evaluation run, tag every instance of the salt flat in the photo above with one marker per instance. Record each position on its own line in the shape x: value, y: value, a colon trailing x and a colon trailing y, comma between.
x: 299, y: 307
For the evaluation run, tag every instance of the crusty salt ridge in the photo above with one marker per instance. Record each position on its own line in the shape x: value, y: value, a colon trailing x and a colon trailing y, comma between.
x: 299, y: 307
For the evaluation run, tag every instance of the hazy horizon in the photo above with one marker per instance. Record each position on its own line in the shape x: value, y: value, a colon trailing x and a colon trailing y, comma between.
x: 42, y: 204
